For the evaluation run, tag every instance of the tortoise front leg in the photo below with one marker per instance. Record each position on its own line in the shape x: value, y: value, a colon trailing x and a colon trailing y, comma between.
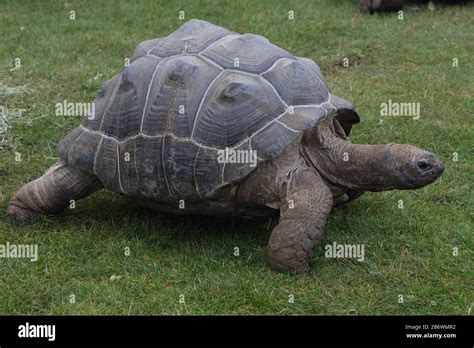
x: 50, y: 193
x: 304, y: 209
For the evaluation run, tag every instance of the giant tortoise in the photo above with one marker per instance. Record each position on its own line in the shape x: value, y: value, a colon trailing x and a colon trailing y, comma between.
x: 208, y: 121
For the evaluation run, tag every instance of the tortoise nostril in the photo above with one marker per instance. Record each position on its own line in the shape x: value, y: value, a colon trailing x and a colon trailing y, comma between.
x: 424, y: 165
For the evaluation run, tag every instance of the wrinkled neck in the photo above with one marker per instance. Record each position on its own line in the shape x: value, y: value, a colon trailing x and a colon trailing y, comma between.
x: 341, y: 163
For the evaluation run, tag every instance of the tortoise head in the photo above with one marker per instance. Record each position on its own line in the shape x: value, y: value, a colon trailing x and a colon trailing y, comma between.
x: 412, y: 167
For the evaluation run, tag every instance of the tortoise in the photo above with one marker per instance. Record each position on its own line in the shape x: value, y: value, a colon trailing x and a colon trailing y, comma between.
x: 210, y: 122
x: 380, y: 5
x: 394, y: 5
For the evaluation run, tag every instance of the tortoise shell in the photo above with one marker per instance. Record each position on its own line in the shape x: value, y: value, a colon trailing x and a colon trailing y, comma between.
x: 161, y: 123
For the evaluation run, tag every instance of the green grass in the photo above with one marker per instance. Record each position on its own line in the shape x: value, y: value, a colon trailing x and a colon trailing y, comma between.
x: 408, y: 252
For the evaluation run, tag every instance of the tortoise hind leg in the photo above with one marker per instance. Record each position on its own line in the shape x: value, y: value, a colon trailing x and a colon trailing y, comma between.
x: 51, y: 193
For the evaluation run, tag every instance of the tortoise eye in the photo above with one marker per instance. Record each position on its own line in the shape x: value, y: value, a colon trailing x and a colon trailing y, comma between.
x: 233, y: 90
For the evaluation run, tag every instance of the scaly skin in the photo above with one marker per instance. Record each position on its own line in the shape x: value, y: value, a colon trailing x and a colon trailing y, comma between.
x: 287, y: 183
x: 304, y: 210
x: 50, y: 193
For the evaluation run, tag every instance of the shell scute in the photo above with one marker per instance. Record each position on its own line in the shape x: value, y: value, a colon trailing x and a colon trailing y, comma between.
x: 248, y: 52
x: 236, y: 107
x: 192, y: 37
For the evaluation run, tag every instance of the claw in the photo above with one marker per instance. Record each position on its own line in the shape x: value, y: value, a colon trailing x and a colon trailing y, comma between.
x: 21, y: 216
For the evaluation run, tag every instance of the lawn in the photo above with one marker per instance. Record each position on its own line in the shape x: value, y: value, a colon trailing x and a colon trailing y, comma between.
x: 110, y: 256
